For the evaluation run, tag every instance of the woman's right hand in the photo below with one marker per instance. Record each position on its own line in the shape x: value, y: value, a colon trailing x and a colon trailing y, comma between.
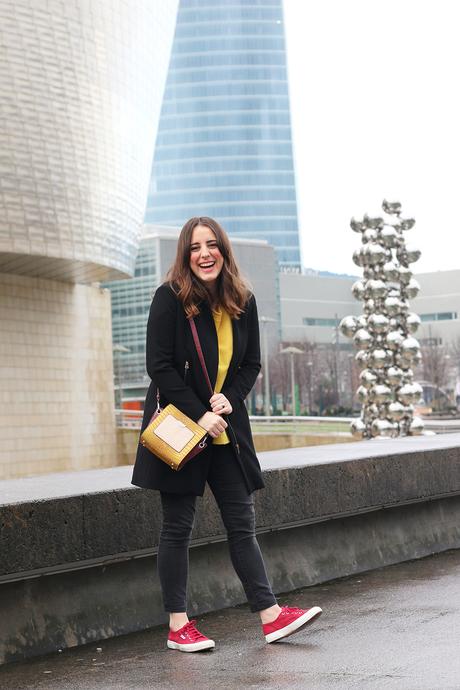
x: 213, y: 423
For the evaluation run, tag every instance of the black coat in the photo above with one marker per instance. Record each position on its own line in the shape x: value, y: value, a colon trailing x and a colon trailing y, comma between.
x: 169, y: 345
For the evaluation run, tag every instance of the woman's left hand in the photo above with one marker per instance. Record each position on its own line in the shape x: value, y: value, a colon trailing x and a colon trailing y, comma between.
x: 220, y: 404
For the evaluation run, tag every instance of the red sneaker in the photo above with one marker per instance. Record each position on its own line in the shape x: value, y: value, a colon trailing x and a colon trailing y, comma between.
x: 289, y: 621
x: 189, y: 639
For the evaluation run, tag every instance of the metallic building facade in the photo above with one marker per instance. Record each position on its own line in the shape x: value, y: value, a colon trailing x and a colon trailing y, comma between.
x: 224, y: 145
x: 81, y: 84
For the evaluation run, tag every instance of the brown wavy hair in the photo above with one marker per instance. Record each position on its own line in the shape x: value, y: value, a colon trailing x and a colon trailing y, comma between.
x: 233, y: 290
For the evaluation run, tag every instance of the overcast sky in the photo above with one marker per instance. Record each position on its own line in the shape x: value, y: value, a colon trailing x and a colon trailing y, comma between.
x: 375, y: 105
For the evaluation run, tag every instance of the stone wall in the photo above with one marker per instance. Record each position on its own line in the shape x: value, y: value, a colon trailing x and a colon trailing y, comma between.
x: 56, y: 391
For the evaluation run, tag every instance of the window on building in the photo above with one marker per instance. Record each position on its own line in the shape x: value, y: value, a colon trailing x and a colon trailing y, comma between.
x: 440, y: 316
x: 314, y: 321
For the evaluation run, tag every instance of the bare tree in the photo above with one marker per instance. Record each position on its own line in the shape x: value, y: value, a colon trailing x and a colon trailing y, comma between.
x: 435, y: 363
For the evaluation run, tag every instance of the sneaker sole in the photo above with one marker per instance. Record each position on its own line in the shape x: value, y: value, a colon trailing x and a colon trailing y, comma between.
x: 192, y: 647
x: 295, y: 626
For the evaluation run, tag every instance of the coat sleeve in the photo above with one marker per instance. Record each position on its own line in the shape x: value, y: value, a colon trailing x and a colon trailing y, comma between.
x: 248, y: 371
x: 161, y: 337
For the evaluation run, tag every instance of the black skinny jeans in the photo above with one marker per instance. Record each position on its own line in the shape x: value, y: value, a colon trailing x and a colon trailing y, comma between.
x: 237, y: 509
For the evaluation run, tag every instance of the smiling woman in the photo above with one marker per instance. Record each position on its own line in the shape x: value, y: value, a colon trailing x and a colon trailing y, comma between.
x: 204, y: 284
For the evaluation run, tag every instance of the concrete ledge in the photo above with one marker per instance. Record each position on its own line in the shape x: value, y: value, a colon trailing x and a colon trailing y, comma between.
x: 321, y: 516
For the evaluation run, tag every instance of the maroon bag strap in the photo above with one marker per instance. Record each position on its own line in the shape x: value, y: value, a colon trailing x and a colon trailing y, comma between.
x: 196, y: 340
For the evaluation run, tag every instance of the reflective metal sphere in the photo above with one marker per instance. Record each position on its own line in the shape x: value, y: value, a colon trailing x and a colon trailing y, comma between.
x: 408, y: 376
x: 361, y: 394
x: 416, y: 426
x: 409, y: 393
x: 348, y: 326
x: 369, y: 235
x: 391, y: 207
x: 373, y: 222
x: 379, y: 358
x: 382, y: 427
x: 357, y: 289
x: 357, y: 428
x: 409, y: 348
x: 388, y: 236
x: 369, y: 306
x: 391, y: 271
x: 358, y: 257
x: 412, y: 288
x: 362, y: 339
x: 375, y: 289
x: 392, y: 305
x: 361, y: 358
x: 380, y: 393
x: 357, y: 225
x: 413, y: 254
x: 394, y: 375
x: 405, y: 274
x: 408, y: 255
x: 404, y: 306
x: 394, y: 340
x: 417, y: 359
x: 378, y: 323
x: 408, y: 410
x: 396, y: 411
x: 372, y: 411
x: 367, y: 378
x: 406, y: 223
x: 418, y: 392
x: 401, y: 362
x: 374, y: 254
x: 413, y: 322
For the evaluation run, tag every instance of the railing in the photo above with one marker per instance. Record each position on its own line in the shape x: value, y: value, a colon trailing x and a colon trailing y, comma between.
x: 281, y: 424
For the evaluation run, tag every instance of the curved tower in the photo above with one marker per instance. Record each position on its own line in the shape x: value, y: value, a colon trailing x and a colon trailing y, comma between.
x: 224, y: 144
x: 81, y: 86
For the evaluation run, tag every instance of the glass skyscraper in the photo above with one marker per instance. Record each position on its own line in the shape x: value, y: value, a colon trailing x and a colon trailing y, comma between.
x: 224, y: 146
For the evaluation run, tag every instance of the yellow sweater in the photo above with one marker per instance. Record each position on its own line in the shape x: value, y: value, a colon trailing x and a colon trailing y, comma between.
x: 224, y: 330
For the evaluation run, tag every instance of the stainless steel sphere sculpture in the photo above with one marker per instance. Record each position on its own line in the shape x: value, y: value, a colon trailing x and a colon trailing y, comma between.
x: 383, y: 334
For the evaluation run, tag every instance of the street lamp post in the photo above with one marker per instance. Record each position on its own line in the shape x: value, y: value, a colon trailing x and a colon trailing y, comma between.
x: 291, y: 351
x: 264, y: 320
x: 336, y: 341
x: 117, y: 350
x: 310, y: 394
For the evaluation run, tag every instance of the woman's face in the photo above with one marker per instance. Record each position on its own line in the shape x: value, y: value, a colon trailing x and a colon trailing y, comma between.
x: 206, y: 261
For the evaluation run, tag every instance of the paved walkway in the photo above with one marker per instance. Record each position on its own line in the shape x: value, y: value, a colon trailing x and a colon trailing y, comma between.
x: 395, y: 628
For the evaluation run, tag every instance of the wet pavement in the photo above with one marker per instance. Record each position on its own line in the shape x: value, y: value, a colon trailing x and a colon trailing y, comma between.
x: 395, y: 628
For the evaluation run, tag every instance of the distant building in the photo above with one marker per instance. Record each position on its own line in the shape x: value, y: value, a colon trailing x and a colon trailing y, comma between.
x: 224, y: 145
x: 312, y: 306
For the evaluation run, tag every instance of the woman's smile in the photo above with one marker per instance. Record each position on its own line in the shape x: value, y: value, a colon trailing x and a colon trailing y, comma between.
x: 206, y: 260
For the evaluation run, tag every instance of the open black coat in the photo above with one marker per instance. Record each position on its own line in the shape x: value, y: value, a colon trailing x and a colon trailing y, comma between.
x: 169, y: 346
